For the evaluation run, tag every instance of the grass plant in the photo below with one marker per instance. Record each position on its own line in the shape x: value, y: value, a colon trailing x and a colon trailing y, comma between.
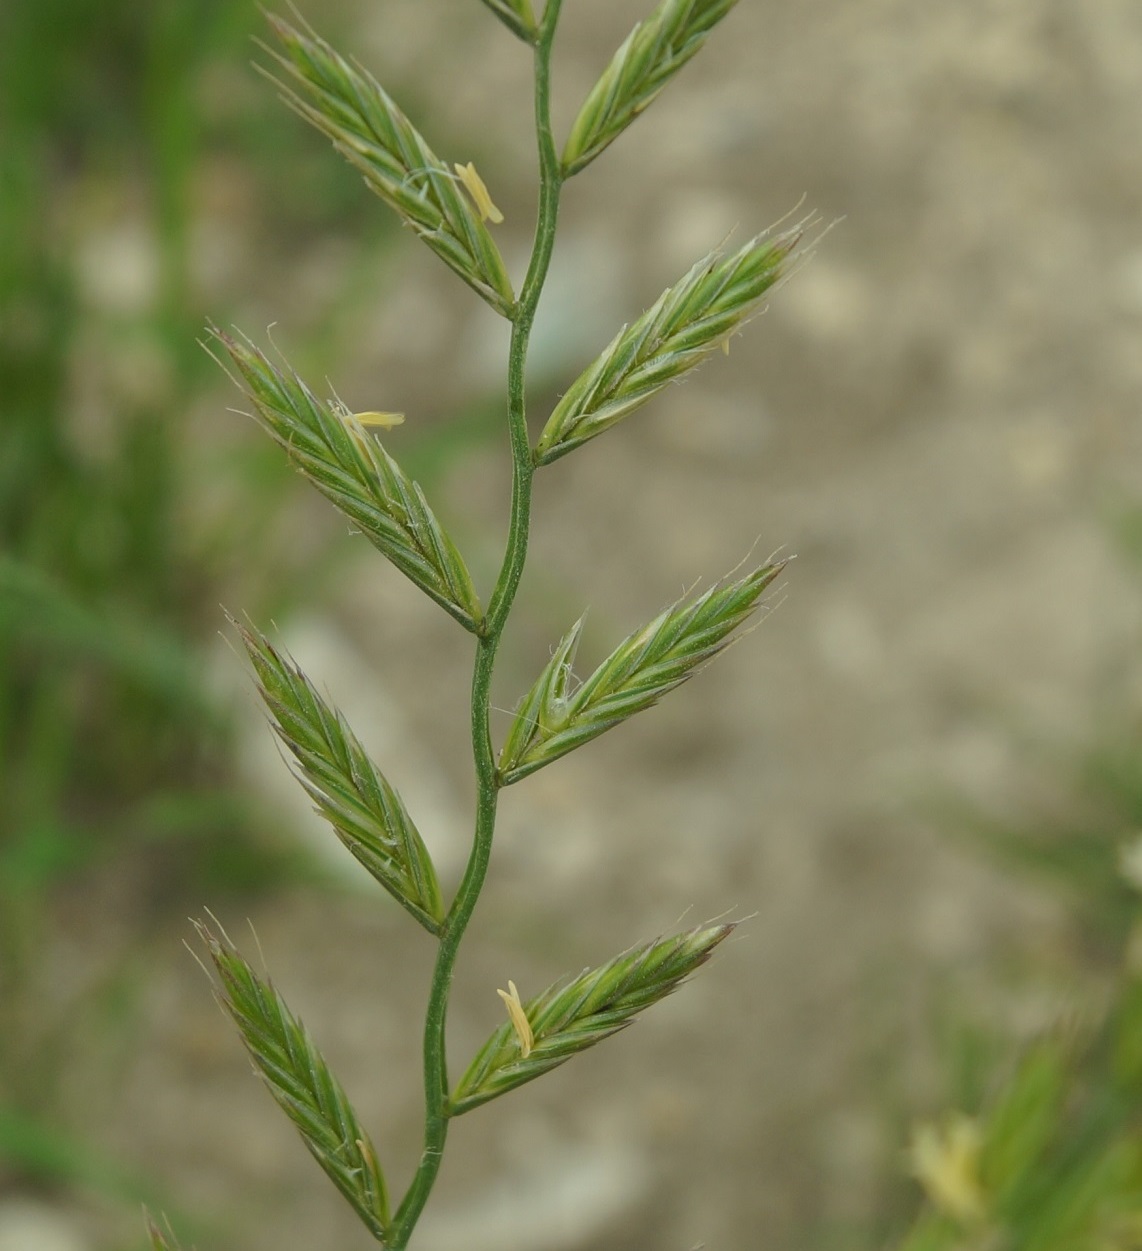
x: 448, y: 207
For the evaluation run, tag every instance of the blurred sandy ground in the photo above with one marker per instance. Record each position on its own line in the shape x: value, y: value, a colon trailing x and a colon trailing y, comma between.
x: 939, y: 416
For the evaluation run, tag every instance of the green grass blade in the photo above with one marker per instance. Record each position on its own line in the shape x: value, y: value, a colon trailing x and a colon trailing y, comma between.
x: 36, y: 605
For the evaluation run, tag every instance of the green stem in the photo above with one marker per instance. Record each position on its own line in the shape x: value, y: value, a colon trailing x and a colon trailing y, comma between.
x: 487, y: 644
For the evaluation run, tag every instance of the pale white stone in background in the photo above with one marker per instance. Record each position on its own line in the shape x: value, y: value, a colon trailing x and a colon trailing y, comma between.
x: 695, y: 221
x: 1130, y: 283
x: 829, y: 301
x: 564, y: 1199
x: 584, y: 303
x: 29, y: 1226
x: 850, y: 642
x: 118, y: 267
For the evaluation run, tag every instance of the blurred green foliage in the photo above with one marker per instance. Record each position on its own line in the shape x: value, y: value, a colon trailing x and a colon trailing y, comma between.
x: 118, y: 528
x: 111, y: 749
x: 1074, y: 847
x: 1054, y: 1162
x: 122, y: 121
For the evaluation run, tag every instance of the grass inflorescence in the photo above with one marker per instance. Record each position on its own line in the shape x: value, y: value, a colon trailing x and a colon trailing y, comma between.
x: 341, y: 454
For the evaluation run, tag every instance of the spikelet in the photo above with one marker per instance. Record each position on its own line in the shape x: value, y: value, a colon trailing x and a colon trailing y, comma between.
x: 333, y: 449
x: 554, y: 717
x: 648, y: 58
x: 571, y: 1016
x: 373, y: 134
x: 676, y: 334
x: 298, y: 1077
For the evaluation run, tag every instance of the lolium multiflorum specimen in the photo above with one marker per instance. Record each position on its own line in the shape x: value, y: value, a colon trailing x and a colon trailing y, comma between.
x: 448, y: 207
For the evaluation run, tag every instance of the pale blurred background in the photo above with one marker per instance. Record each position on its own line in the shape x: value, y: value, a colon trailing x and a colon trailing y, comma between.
x: 938, y: 415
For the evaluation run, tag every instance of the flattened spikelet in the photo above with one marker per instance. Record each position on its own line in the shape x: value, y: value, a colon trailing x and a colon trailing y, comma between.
x: 648, y: 58
x: 349, y: 791
x: 372, y: 133
x: 349, y: 466
x: 298, y: 1077
x: 553, y: 719
x: 675, y: 335
x: 573, y: 1015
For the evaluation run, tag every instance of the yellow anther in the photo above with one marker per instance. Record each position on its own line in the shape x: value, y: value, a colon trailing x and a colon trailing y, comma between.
x: 946, y: 1163
x: 477, y: 189
x: 518, y: 1018
x: 385, y: 420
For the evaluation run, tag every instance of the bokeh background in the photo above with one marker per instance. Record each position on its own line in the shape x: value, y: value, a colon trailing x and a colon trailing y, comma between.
x: 915, y: 778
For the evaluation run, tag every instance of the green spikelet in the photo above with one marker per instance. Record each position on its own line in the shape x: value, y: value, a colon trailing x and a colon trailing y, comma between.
x: 571, y: 1016
x: 648, y: 58
x: 299, y: 1079
x: 371, y: 132
x: 347, y: 464
x: 675, y: 335
x: 347, y: 788
x: 553, y: 719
